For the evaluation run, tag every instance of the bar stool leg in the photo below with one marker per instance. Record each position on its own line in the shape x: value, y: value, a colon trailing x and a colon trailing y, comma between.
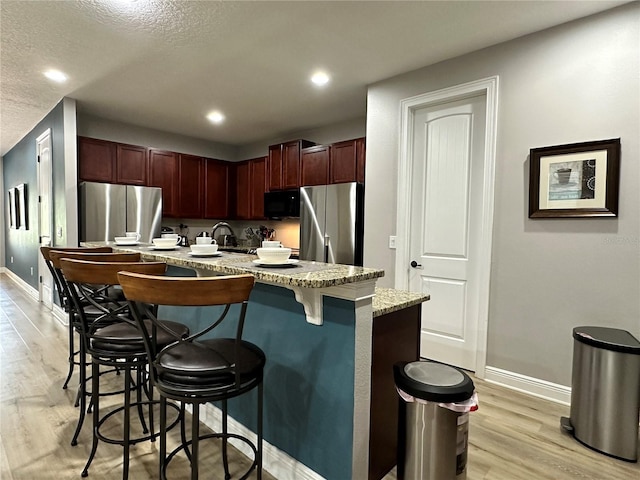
x: 195, y: 439
x: 71, y: 354
x: 259, y: 449
x: 163, y: 434
x: 81, y: 398
x: 95, y: 393
x: 126, y: 436
x: 225, y: 430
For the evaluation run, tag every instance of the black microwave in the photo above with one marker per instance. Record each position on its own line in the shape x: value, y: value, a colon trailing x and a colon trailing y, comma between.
x: 282, y: 204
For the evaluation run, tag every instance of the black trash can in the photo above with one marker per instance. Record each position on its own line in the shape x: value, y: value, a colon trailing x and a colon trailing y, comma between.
x: 605, y: 391
x: 434, y: 420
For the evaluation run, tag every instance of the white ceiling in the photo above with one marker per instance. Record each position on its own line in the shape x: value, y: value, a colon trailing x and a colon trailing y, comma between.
x: 165, y: 64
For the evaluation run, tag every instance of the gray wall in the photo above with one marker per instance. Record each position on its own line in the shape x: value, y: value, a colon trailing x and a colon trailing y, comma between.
x: 574, y: 83
x: 19, y: 166
x: 338, y: 132
x: 95, y: 127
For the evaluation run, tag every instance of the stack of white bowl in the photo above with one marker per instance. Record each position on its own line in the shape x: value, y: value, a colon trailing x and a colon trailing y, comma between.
x: 273, y: 252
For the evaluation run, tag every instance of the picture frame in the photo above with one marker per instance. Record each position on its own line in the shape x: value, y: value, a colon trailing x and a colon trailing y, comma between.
x: 22, y: 211
x: 576, y: 180
x: 13, y: 217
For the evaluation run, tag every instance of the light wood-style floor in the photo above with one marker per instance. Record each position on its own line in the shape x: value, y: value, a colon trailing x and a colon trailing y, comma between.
x: 511, y: 437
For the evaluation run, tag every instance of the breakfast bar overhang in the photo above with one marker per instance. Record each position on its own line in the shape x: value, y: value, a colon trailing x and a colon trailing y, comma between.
x: 329, y: 336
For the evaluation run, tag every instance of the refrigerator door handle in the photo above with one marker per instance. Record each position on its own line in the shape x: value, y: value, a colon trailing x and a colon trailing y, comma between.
x: 327, y: 243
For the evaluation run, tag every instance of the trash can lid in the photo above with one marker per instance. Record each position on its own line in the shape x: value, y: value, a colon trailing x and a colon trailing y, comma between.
x: 434, y: 382
x: 608, y: 338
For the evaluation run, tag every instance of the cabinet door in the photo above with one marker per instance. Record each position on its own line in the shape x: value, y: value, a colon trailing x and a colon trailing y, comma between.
x: 96, y: 160
x: 243, y: 192
x: 258, y: 182
x: 291, y: 165
x: 360, y: 158
x: 314, y: 166
x: 275, y: 167
x: 216, y: 189
x: 343, y: 164
x: 190, y: 180
x: 163, y: 172
x: 131, y: 165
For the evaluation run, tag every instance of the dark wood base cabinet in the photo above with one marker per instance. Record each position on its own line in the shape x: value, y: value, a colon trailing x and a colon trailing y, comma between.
x: 396, y: 338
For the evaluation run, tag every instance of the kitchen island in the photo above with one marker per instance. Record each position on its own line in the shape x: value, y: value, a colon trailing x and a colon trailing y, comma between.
x: 330, y: 338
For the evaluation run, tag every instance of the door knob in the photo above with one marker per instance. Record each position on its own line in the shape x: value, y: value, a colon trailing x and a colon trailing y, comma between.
x: 415, y: 264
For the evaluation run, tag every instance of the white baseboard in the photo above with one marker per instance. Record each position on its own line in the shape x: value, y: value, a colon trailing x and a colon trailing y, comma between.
x: 60, y: 315
x: 32, y: 292
x: 529, y: 385
x: 279, y: 464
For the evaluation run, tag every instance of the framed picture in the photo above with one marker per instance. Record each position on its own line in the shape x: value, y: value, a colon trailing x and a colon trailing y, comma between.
x: 13, y: 218
x: 22, y: 214
x: 575, y: 180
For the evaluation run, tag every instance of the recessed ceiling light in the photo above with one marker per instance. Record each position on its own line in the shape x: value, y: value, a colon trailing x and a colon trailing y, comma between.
x: 320, y: 78
x: 215, y: 117
x: 56, y: 76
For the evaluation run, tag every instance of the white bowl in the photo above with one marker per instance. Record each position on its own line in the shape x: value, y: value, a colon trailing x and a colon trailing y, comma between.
x: 273, y: 255
x: 210, y: 248
x: 164, y: 242
x: 126, y: 240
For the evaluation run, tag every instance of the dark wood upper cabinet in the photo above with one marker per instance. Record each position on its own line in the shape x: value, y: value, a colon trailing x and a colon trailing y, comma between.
x: 314, y: 166
x: 284, y: 164
x: 291, y: 165
x: 258, y: 183
x: 96, y: 160
x: 361, y: 155
x: 163, y: 173
x: 251, y: 183
x: 216, y: 189
x: 243, y: 192
x: 190, y: 182
x: 344, y: 162
x: 275, y: 167
x: 131, y: 164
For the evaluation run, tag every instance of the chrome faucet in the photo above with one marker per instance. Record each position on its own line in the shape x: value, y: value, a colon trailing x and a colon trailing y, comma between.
x: 220, y: 225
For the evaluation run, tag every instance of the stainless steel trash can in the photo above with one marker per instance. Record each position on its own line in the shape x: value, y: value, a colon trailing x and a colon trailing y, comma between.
x: 434, y: 421
x: 605, y: 391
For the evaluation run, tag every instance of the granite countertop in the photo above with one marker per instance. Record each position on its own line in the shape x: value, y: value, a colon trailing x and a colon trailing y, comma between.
x: 300, y: 274
x: 389, y: 300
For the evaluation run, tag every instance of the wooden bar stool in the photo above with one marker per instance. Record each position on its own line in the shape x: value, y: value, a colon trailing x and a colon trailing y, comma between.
x: 194, y: 369
x: 100, y: 294
x: 65, y: 301
x: 113, y: 339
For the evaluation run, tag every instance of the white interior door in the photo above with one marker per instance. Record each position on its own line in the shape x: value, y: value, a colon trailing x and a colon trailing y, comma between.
x: 45, y: 214
x: 446, y: 225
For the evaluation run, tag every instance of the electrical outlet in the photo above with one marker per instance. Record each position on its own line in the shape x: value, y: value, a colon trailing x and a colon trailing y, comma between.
x: 392, y: 242
x: 59, y: 232
x: 32, y: 271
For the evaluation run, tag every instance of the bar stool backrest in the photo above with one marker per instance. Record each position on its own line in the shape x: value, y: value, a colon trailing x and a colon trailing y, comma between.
x: 64, y: 301
x: 81, y: 275
x: 223, y: 291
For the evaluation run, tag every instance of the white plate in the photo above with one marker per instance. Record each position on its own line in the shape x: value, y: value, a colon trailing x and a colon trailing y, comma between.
x: 172, y: 247
x: 291, y: 261
x: 214, y: 254
x: 127, y: 244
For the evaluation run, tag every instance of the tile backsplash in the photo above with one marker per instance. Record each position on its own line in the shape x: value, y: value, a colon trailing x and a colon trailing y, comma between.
x: 286, y: 231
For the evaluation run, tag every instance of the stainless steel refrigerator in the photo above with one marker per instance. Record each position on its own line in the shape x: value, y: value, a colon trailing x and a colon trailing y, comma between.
x: 331, y: 223
x: 108, y: 211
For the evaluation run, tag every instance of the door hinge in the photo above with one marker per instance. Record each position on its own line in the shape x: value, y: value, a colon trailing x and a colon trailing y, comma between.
x: 40, y: 278
x: 39, y: 199
x: 38, y: 158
